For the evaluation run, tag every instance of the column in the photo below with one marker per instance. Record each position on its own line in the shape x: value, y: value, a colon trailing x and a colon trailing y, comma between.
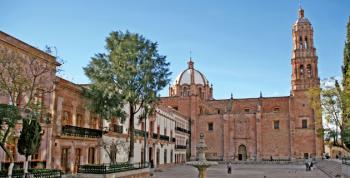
x: 74, y: 113
x: 59, y: 115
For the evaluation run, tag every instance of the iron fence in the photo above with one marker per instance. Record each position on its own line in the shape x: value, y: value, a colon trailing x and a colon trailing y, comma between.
x: 110, y: 168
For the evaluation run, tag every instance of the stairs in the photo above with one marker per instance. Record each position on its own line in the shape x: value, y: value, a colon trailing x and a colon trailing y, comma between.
x: 330, y: 167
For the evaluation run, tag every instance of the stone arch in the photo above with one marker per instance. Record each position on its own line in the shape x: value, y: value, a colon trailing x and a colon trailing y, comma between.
x: 242, y: 152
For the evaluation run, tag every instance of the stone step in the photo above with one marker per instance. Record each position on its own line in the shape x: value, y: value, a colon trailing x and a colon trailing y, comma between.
x: 330, y: 167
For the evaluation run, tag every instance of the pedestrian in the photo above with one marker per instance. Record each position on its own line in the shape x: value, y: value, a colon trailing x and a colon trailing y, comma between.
x: 229, y: 168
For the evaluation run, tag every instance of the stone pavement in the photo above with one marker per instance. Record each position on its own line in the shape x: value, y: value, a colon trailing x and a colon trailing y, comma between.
x: 243, y: 171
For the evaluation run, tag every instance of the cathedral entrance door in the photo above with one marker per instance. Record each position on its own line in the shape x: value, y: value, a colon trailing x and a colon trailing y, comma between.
x: 242, y: 153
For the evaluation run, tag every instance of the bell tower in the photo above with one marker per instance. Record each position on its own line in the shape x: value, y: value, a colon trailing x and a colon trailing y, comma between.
x: 304, y: 58
x: 304, y: 76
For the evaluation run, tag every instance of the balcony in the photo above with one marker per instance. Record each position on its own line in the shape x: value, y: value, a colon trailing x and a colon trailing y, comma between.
x: 180, y: 147
x: 118, y: 128
x: 183, y: 130
x: 155, y: 136
x: 164, y: 137
x: 139, y: 133
x: 74, y: 131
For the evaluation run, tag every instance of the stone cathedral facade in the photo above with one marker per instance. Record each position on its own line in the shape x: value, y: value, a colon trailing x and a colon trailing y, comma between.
x: 283, y: 128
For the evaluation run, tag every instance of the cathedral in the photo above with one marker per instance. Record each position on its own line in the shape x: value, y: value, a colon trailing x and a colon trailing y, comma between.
x: 263, y: 128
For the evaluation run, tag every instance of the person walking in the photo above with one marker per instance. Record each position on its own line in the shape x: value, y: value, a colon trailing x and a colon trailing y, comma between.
x: 229, y: 168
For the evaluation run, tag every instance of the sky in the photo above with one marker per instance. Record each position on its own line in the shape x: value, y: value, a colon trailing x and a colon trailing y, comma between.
x: 241, y: 46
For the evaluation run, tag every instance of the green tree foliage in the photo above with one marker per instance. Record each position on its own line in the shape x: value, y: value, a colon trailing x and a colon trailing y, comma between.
x: 29, y: 140
x: 345, y: 89
x: 101, y: 103
x: 327, y: 104
x: 131, y: 73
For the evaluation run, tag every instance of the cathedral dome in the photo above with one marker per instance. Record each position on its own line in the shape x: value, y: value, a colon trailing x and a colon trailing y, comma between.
x: 185, y: 77
x: 301, y: 19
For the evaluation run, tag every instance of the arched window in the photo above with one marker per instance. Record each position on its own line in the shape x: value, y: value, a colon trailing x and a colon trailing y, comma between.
x: 306, y: 46
x: 185, y: 92
x: 301, y: 42
x: 301, y: 70
x: 200, y: 92
x: 309, y: 70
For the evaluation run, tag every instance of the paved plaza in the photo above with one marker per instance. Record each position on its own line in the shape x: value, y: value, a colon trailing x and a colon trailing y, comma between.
x: 243, y: 171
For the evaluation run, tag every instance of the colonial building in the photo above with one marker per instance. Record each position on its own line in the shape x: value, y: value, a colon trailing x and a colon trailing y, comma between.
x: 28, y: 53
x: 282, y: 127
x: 73, y: 135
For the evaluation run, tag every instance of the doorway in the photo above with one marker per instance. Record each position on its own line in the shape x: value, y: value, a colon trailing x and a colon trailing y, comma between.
x: 77, y: 159
x: 64, y: 160
x: 242, y: 153
x: 150, y: 157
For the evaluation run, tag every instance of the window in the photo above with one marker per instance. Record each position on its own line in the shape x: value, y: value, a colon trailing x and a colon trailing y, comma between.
x: 247, y: 110
x: 175, y: 107
x: 276, y: 109
x: 306, y: 155
x: 79, y: 120
x: 305, y: 45
x: 94, y: 123
x: 210, y: 126
x: 309, y: 70
x: 301, y: 70
x: 91, y: 155
x: 304, y: 124
x: 218, y: 110
x: 185, y: 92
x: 165, y: 156
x: 171, y: 135
x: 67, y: 118
x: 301, y: 42
x: 276, y: 124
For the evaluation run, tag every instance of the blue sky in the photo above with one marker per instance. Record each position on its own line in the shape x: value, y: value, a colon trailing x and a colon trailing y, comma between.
x: 242, y: 46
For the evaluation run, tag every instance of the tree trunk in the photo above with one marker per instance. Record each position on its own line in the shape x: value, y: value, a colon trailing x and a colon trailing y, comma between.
x: 131, y: 133
x: 8, y: 153
x: 25, y: 165
x: 9, y: 173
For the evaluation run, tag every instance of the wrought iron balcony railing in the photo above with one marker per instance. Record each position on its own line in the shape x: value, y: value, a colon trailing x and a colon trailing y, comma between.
x: 183, y: 130
x: 164, y: 137
x: 81, y: 132
x: 139, y: 133
x: 118, y: 128
x: 180, y: 147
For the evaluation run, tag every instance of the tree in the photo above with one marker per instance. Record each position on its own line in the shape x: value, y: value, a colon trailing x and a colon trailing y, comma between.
x: 112, y: 148
x: 29, y: 140
x: 24, y: 81
x: 9, y: 116
x: 131, y: 71
x: 345, y: 90
x: 327, y: 104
